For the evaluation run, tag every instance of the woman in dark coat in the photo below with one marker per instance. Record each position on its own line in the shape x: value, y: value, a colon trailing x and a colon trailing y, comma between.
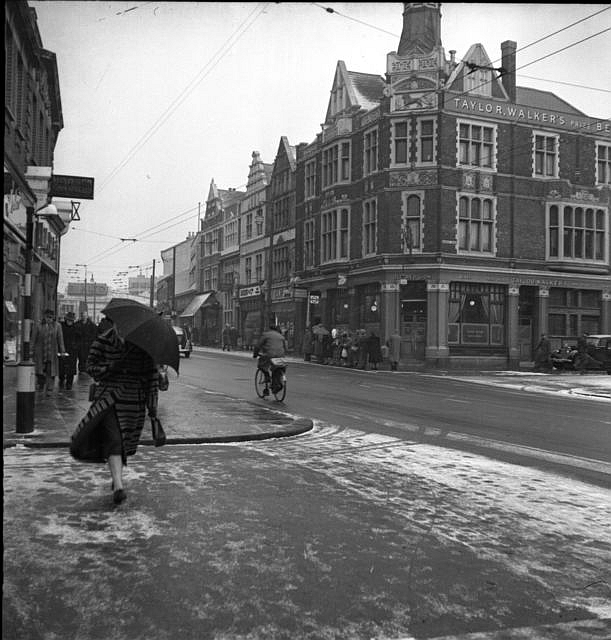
x: 67, y: 363
x: 374, y: 350
x: 128, y: 383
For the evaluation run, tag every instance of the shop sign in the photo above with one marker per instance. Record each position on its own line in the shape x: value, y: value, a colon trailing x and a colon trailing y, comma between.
x: 72, y: 187
x: 390, y: 286
x: 535, y: 117
x: 249, y: 292
x: 314, y: 299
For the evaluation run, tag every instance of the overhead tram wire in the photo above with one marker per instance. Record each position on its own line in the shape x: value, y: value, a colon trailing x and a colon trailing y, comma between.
x: 114, y: 249
x: 465, y: 93
x: 526, y: 46
x: 182, y: 96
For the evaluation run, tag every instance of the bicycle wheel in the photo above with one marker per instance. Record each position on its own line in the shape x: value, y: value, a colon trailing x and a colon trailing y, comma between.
x: 260, y: 383
x: 280, y: 395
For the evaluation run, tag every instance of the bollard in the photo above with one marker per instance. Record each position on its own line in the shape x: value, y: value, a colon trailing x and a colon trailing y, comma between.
x: 26, y: 397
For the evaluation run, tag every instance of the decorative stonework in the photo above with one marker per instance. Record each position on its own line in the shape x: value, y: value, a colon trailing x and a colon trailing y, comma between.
x: 409, y: 178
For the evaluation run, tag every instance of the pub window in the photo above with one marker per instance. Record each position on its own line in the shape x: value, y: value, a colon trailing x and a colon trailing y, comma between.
x: 603, y: 163
x: 476, y: 314
x: 545, y: 162
x: 476, y: 224
x: 400, y: 145
x: 426, y: 141
x: 476, y: 145
x: 577, y: 233
x: 370, y: 152
x: 412, y: 222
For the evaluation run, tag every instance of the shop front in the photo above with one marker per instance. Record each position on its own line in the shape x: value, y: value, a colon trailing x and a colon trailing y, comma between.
x: 457, y: 318
x: 201, y: 319
x: 251, y: 310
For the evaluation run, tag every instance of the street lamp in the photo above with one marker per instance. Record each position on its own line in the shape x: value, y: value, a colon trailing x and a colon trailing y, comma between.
x: 26, y: 374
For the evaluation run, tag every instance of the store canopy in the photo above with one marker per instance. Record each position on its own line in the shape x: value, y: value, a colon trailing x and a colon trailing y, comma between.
x: 199, y: 301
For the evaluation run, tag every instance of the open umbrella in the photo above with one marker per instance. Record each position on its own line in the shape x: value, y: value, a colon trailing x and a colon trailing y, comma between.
x: 144, y: 327
x: 319, y: 330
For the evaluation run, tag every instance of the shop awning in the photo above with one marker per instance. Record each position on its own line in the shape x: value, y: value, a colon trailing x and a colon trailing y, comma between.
x: 199, y: 301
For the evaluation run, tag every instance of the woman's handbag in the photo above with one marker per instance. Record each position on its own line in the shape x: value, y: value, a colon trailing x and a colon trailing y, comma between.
x: 93, y: 387
x: 159, y: 437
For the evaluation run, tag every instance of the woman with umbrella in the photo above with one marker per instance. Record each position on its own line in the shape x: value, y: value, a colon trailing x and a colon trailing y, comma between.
x: 123, y: 360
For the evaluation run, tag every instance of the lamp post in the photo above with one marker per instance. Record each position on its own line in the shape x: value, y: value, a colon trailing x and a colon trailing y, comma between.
x: 26, y: 373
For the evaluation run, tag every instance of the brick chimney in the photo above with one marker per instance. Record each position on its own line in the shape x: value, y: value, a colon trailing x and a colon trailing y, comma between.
x: 508, y: 62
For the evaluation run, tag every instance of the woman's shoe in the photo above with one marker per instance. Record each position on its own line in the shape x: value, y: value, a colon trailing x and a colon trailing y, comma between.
x: 119, y: 496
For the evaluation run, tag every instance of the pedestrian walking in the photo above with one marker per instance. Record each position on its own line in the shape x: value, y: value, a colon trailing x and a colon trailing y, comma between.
x: 128, y: 383
x: 47, y: 343
x: 233, y: 337
x: 67, y: 363
x: 394, y: 346
x: 226, y: 338
x: 582, y: 357
x: 363, y: 350
x: 308, y: 344
x: 374, y: 351
x: 87, y: 332
x: 543, y: 355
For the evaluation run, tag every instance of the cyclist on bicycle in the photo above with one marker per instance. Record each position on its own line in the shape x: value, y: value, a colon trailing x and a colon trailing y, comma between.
x: 271, y: 345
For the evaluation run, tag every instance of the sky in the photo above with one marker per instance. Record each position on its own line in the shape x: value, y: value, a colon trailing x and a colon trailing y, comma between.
x: 161, y: 98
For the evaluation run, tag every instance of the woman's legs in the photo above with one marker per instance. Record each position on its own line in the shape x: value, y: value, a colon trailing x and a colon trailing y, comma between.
x: 115, y: 464
x: 114, y: 452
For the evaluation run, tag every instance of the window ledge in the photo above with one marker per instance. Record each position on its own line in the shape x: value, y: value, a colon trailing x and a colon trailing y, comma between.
x: 580, y: 267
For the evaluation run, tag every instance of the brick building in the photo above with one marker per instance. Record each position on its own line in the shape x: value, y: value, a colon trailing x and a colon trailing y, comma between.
x: 32, y: 122
x: 447, y: 203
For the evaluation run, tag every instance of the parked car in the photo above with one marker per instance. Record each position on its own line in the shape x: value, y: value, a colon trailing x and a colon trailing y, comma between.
x: 184, y: 341
x: 598, y: 355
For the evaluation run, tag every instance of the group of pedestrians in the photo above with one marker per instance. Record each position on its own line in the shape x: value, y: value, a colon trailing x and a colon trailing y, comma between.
x: 357, y: 349
x: 60, y: 349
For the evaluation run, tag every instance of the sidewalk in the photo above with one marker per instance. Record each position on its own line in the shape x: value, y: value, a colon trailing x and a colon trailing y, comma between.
x: 185, y: 418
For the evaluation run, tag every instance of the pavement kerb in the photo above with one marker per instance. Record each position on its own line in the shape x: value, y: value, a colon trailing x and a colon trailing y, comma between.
x: 297, y: 427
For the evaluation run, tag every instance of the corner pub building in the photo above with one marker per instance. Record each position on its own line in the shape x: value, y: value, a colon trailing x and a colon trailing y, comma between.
x: 444, y: 202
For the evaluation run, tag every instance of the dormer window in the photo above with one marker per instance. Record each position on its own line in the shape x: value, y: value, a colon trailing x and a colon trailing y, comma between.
x: 479, y: 82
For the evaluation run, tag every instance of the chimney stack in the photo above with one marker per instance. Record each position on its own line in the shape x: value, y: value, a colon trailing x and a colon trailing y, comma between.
x: 508, y: 62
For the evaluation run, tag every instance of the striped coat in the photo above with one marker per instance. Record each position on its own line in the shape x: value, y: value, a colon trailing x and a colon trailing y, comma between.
x: 128, y: 380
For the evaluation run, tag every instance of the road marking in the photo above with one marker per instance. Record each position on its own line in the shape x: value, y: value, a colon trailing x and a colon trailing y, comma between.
x: 577, y: 462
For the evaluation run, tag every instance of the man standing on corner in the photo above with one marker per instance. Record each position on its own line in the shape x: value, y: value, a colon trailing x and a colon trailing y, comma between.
x: 86, y: 332
x: 67, y: 363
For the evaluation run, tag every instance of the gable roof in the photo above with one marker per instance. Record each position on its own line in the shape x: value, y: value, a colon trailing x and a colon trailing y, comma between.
x: 476, y: 55
x: 358, y: 91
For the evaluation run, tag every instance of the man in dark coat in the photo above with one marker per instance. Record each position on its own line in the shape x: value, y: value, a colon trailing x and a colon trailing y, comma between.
x: 87, y: 332
x: 67, y: 363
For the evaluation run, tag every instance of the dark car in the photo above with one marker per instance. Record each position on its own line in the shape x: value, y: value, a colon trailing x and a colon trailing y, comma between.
x: 184, y: 341
x: 597, y: 356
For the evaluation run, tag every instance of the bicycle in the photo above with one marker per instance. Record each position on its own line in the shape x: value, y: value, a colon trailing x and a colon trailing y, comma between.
x: 263, y: 387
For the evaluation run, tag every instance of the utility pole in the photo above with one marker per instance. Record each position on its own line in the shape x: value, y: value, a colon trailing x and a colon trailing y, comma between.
x: 26, y: 378
x: 152, y: 296
x: 85, y: 282
x: 93, y: 281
